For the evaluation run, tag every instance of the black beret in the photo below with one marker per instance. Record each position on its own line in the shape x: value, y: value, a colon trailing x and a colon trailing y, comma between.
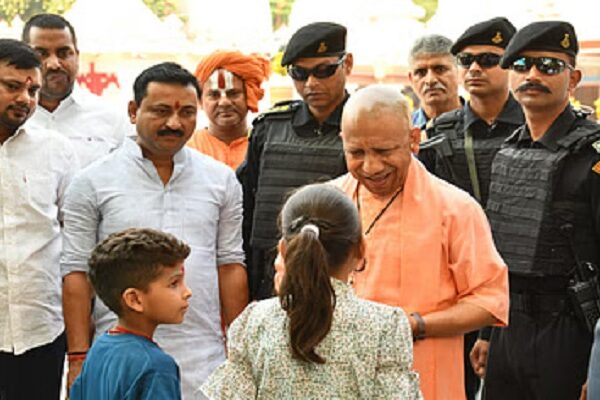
x: 494, y: 32
x: 319, y: 39
x: 557, y: 36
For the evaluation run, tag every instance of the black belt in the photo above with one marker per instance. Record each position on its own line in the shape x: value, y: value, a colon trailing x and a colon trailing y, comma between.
x: 533, y: 303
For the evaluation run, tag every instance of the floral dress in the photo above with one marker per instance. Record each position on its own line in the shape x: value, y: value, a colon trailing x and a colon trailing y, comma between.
x: 368, y: 355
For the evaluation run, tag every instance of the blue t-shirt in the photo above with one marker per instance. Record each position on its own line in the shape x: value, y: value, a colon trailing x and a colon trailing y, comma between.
x: 419, y: 118
x: 128, y: 367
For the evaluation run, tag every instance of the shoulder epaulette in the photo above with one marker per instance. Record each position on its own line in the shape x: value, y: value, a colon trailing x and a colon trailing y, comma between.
x: 445, y: 122
x: 450, y: 117
x: 581, y: 137
x: 280, y: 110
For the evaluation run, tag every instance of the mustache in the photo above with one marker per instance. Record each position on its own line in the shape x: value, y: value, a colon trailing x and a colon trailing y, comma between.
x: 18, y: 108
x: 56, y: 72
x: 170, y: 132
x: 436, y: 85
x: 533, y: 85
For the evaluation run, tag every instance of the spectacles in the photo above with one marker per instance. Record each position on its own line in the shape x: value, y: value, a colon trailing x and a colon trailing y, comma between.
x: 546, y: 65
x: 321, y: 71
x: 484, y: 60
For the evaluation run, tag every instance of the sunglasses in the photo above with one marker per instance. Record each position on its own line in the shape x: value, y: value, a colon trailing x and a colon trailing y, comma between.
x: 321, y: 71
x: 484, y: 60
x: 546, y: 65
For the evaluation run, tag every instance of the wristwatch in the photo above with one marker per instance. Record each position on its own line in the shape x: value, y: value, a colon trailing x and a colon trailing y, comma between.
x: 420, y: 333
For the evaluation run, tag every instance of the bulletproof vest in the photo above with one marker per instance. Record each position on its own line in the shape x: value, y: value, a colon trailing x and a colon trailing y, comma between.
x: 289, y: 161
x: 528, y: 225
x: 451, y: 163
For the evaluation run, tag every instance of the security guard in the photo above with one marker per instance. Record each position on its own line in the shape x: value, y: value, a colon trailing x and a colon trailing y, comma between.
x: 295, y: 143
x: 544, y: 210
x: 463, y: 142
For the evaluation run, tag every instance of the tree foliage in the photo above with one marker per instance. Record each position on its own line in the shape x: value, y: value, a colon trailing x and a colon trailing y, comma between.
x: 430, y: 7
x: 162, y: 8
x: 280, y: 12
x: 9, y: 9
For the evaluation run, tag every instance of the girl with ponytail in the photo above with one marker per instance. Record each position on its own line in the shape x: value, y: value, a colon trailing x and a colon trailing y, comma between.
x: 317, y: 339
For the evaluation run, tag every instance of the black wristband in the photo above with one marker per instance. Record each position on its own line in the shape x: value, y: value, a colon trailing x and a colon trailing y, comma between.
x: 485, y: 333
x: 420, y: 334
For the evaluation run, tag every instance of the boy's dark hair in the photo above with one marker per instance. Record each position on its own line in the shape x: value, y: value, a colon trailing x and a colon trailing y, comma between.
x: 132, y: 259
x: 47, y: 21
x: 167, y: 72
x: 18, y: 54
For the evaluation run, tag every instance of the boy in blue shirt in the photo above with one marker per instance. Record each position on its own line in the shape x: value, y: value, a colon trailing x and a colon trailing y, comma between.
x: 139, y: 275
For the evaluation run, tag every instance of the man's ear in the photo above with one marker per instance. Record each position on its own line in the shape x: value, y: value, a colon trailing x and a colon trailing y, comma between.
x: 132, y: 111
x: 348, y: 63
x: 415, y: 139
x: 574, y: 79
x: 132, y: 299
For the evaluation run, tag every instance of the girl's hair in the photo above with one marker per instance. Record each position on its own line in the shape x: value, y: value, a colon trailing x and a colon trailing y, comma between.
x: 321, y: 227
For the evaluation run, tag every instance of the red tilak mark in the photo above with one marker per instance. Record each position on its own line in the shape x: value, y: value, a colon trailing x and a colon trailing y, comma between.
x: 221, y: 80
x: 182, y: 270
x: 177, y: 105
x: 29, y: 80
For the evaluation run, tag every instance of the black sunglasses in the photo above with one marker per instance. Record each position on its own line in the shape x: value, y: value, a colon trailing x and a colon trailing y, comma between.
x: 546, y: 65
x: 484, y: 60
x: 321, y: 71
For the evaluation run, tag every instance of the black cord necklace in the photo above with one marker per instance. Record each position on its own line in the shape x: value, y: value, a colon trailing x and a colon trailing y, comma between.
x: 381, y: 212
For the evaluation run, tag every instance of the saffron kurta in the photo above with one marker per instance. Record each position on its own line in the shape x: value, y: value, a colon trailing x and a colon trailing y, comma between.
x: 431, y: 249
x: 231, y: 154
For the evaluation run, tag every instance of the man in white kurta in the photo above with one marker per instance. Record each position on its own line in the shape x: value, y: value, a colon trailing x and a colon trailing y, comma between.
x: 93, y: 126
x: 156, y: 182
x: 35, y: 169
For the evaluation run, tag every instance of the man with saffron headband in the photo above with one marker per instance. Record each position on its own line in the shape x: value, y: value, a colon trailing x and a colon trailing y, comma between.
x: 230, y: 83
x: 446, y: 273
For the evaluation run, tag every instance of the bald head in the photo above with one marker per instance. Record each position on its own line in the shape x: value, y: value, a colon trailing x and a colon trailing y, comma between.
x: 375, y: 102
x: 378, y: 139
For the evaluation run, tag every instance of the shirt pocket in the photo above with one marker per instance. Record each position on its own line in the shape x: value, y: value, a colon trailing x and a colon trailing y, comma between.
x: 90, y: 148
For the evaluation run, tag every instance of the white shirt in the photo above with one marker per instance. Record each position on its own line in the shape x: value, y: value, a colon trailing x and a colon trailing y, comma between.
x: 92, y: 125
x: 35, y: 168
x: 201, y: 204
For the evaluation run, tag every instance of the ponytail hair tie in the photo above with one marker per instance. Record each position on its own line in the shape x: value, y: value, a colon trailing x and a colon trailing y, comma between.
x: 310, y: 228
